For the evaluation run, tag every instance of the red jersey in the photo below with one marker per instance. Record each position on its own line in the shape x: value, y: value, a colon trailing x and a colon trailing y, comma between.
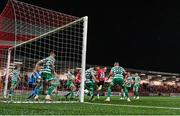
x: 101, y: 74
x: 78, y: 78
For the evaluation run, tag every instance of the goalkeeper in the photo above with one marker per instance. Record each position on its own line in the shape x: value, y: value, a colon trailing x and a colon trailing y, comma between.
x: 35, y: 81
x: 48, y: 75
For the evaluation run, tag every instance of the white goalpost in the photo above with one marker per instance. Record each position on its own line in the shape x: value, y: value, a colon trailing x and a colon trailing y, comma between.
x: 30, y: 33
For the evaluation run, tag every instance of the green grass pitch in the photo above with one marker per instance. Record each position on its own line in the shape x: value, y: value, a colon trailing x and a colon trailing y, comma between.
x: 143, y: 106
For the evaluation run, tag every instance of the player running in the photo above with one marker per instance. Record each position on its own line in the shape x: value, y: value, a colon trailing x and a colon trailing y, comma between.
x: 118, y: 79
x: 48, y: 74
x: 15, y: 79
x: 100, y: 75
x: 70, y: 83
x: 136, y: 86
x: 89, y: 82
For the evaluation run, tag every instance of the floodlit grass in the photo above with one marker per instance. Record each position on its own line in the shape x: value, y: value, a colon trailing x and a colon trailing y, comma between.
x: 144, y: 106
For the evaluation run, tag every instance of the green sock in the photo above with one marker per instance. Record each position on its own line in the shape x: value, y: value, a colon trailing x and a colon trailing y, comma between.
x: 126, y: 92
x: 51, y: 88
x: 109, y: 91
x: 71, y: 94
x: 91, y: 91
x: 137, y: 93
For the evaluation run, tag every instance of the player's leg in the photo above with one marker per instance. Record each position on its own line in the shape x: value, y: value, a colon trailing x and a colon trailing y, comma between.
x: 122, y: 93
x: 73, y: 89
x: 91, y: 90
x: 13, y: 86
x: 113, y: 82
x: 32, y: 93
x: 54, y: 83
x: 134, y: 90
x: 137, y: 91
x: 126, y: 90
x: 68, y: 84
x: 121, y: 83
x: 100, y: 86
x: 38, y: 89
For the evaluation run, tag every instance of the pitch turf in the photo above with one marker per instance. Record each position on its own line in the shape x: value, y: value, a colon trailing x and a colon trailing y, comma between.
x: 144, y: 106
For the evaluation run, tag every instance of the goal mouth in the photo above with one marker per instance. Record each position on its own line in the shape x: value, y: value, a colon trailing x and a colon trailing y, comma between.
x: 33, y: 33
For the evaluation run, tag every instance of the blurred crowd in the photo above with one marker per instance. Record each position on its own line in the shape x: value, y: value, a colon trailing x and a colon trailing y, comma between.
x: 164, y: 88
x: 144, y: 87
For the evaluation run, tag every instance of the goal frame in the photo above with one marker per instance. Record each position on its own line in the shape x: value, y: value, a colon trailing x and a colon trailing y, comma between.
x: 83, y: 61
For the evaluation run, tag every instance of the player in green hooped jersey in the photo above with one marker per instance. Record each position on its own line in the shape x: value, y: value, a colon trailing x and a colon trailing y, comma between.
x: 118, y: 74
x: 70, y: 83
x: 89, y: 82
x: 136, y: 86
x: 128, y: 84
x: 48, y: 74
x: 14, y: 80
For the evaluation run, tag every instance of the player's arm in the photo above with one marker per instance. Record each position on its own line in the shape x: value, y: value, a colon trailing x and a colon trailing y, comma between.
x: 125, y: 74
x: 110, y: 74
x: 94, y: 77
x: 40, y: 62
x: 139, y: 80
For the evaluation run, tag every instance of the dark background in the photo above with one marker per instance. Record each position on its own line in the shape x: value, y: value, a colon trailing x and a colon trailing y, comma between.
x: 140, y: 35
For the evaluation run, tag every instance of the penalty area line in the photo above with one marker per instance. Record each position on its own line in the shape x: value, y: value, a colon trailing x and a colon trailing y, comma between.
x: 134, y: 106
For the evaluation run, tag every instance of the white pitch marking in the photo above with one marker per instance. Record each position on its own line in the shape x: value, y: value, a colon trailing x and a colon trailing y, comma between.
x: 136, y: 106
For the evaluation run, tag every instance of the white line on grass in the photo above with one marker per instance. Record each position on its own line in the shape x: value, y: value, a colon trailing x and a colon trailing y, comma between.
x: 24, y: 102
x: 136, y: 106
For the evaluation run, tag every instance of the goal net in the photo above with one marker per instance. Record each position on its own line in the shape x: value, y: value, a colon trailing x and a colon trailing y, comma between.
x: 32, y: 36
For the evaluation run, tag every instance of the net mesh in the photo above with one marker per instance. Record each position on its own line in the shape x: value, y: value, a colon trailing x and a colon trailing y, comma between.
x: 31, y: 33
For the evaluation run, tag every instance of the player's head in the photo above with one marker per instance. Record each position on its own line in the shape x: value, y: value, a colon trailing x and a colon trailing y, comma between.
x: 53, y: 54
x: 136, y: 74
x: 91, y: 68
x: 128, y: 74
x: 17, y: 67
x: 38, y: 68
x: 98, y: 67
x: 116, y: 64
x: 105, y: 69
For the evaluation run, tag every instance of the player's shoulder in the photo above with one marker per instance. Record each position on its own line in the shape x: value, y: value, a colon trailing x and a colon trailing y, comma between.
x: 113, y: 68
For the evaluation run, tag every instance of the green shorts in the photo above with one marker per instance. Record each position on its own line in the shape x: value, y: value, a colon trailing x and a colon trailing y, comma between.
x: 136, y: 86
x: 89, y: 85
x: 117, y: 81
x: 47, y: 76
x: 69, y: 83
